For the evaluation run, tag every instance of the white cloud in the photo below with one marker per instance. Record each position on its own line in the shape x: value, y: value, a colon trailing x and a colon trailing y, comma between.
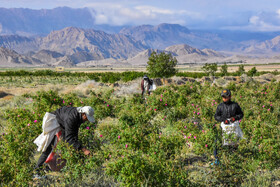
x: 278, y: 12
x: 262, y: 21
x: 254, y: 20
x: 122, y: 14
x: 150, y: 9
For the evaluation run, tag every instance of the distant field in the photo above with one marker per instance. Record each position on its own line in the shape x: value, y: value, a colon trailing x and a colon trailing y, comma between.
x: 182, y: 68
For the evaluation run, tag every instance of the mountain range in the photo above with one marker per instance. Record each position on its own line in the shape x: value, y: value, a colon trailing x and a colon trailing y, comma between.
x: 69, y: 37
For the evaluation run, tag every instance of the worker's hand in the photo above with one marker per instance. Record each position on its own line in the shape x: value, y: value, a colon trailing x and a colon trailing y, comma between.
x: 86, y: 152
x: 232, y: 119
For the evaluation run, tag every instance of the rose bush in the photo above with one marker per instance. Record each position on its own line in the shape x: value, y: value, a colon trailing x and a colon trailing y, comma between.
x: 165, y: 139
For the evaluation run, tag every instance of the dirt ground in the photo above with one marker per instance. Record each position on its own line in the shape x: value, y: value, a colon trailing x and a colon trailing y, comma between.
x: 9, y: 93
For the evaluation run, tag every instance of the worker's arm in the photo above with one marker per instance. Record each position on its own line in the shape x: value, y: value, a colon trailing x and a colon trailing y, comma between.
x: 71, y: 133
x: 239, y: 113
x: 218, y: 115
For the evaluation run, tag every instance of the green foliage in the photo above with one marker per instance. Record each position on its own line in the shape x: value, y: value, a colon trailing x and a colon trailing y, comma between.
x: 224, y: 69
x: 49, y: 75
x: 252, y: 72
x: 240, y: 70
x: 210, y: 69
x: 166, y: 139
x: 162, y: 65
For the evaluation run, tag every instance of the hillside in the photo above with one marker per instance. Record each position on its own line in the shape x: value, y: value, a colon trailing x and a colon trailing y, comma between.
x: 267, y: 47
x: 10, y: 58
x: 182, y: 52
x: 164, y: 35
x: 97, y: 44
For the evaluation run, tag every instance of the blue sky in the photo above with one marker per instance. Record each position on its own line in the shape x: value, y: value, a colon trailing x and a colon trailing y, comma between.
x: 253, y: 15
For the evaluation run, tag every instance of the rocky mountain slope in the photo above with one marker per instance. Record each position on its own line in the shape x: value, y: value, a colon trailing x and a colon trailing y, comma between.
x: 71, y: 46
x: 96, y: 44
x: 21, y: 44
x: 77, y: 44
x: 266, y: 47
x: 10, y: 58
x: 183, y: 53
x: 164, y: 35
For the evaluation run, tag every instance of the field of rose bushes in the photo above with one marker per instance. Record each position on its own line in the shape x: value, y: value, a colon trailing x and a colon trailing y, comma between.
x: 165, y: 139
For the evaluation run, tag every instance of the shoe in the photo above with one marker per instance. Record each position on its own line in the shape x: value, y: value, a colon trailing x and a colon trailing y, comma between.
x: 47, y: 169
x: 216, y: 163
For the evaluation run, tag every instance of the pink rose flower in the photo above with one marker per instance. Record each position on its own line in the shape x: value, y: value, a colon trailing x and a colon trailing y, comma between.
x: 35, y: 121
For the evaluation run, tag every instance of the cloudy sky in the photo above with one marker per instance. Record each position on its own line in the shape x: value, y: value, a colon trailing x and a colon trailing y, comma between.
x: 253, y: 15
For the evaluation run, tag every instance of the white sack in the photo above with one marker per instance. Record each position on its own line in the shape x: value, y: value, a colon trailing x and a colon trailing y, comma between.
x: 232, y: 129
x: 50, y: 128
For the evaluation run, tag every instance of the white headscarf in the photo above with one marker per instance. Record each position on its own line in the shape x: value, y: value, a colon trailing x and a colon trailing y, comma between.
x: 88, y: 111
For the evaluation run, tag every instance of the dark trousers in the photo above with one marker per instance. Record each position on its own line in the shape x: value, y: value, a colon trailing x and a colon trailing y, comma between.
x: 45, y: 155
x: 229, y: 148
x: 216, y: 150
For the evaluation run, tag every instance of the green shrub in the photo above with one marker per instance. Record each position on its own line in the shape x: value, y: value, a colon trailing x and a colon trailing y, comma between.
x: 148, y: 141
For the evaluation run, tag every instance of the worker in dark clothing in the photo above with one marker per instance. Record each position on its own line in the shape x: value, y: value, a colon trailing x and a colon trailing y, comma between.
x: 228, y: 109
x: 228, y: 113
x: 69, y: 120
x: 145, y: 85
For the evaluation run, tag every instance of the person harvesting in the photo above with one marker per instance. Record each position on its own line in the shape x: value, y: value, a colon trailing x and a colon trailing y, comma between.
x: 66, y: 122
x: 228, y: 113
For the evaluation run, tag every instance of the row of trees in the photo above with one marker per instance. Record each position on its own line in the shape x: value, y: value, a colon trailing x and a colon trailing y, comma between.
x: 163, y: 65
x: 211, y: 69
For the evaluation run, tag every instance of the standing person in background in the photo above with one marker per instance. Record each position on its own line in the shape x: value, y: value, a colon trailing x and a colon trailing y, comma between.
x: 145, y: 85
x: 66, y: 121
x: 228, y: 113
